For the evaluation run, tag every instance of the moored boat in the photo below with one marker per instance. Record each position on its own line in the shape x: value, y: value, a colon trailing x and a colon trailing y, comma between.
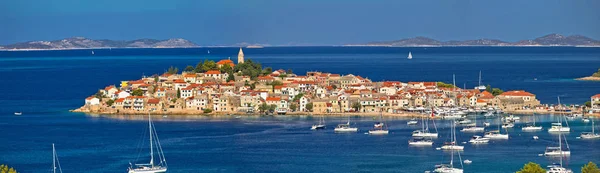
x: 150, y: 167
x: 479, y: 140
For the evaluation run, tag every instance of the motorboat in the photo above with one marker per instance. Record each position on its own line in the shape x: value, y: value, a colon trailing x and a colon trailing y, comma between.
x: 445, y: 168
x: 463, y: 121
x: 557, y: 127
x: 18, y: 113
x: 473, y: 129
x: 556, y: 152
x: 378, y: 125
x: 412, y: 122
x: 508, y: 125
x: 487, y: 124
x: 512, y: 118
x: 558, y: 169
x: 479, y: 140
x: 585, y: 120
x: 495, y: 134
x: 467, y: 161
x: 420, y: 142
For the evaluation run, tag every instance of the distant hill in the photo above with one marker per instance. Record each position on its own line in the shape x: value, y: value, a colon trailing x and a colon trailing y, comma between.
x: 547, y: 40
x: 83, y: 43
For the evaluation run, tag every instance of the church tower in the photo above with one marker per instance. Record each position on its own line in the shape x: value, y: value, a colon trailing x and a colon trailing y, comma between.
x: 240, y: 56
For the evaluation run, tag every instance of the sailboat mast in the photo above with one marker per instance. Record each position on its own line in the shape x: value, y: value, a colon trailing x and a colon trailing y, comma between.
x: 53, y: 158
x: 151, y: 148
x: 479, y: 77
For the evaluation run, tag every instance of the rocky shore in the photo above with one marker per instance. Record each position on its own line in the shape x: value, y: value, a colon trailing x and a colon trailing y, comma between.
x: 589, y: 78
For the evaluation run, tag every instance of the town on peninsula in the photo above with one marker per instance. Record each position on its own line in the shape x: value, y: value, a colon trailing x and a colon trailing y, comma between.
x: 246, y: 88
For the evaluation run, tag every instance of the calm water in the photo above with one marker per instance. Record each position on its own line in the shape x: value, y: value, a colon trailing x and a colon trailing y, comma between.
x: 44, y: 84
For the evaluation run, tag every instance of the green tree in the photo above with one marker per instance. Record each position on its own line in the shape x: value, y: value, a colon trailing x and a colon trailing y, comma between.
x: 532, y: 168
x: 289, y: 71
x: 297, y: 97
x: 263, y: 107
x: 174, y: 100
x: 272, y: 107
x: 189, y: 68
x: 230, y: 77
x: 293, y: 106
x: 334, y: 86
x: 137, y: 92
x: 309, y: 106
x: 488, y: 88
x: 588, y: 104
x: 590, y: 167
x: 207, y: 110
x: 444, y: 85
x: 99, y: 95
x: 209, y: 65
x: 110, y: 102
x: 267, y: 71
x: 226, y: 69
x: 356, y: 106
x: 173, y: 70
x: 496, y: 91
x: 6, y: 169
x: 198, y: 68
x: 178, y: 93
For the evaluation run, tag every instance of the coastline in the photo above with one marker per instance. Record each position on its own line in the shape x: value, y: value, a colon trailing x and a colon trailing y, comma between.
x: 588, y: 78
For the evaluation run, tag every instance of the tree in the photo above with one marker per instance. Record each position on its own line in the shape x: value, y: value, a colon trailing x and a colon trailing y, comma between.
x: 137, y: 92
x: 334, y: 86
x: 532, y: 168
x: 174, y: 100
x: 309, y: 106
x: 496, y: 91
x: 272, y: 108
x: 178, y: 93
x: 590, y: 167
x: 6, y: 169
x: 297, y: 97
x: 263, y: 107
x: 209, y: 65
x: 207, y: 110
x: 230, y: 77
x: 110, y: 102
x: 588, y: 104
x: 99, y: 95
x: 267, y: 71
x: 356, y: 106
x: 189, y: 68
x: 444, y: 85
x: 293, y: 106
x: 282, y: 76
x: 226, y: 69
x: 173, y: 70
x: 289, y: 71
x: 488, y: 88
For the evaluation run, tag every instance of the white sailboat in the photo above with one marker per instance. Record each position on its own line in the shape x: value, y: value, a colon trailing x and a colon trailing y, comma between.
x: 449, y: 168
x: 151, y: 167
x: 55, y: 162
x: 424, y: 132
x: 452, y: 144
x: 590, y: 135
x: 409, y: 55
x: 532, y: 127
x: 480, y: 87
x: 474, y: 128
x: 380, y: 130
x: 558, y: 151
x: 319, y: 126
x: 559, y: 168
x: 345, y: 127
x: 495, y: 134
x: 558, y: 127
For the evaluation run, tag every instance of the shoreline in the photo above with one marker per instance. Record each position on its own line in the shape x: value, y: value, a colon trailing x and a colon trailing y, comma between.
x: 588, y: 78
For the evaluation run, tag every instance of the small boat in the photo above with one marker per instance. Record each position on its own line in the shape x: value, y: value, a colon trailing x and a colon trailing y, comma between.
x: 508, y: 125
x: 495, y: 134
x: 473, y: 129
x: 420, y: 142
x: 577, y: 115
x: 512, y: 118
x: 530, y: 128
x: 558, y: 169
x: 319, y: 126
x: 536, y: 137
x: 238, y: 117
x: 165, y: 116
x: 409, y: 55
x: 585, y: 120
x: 345, y: 128
x: 55, y: 162
x: 590, y: 135
x: 445, y: 168
x: 452, y: 116
x: 463, y: 121
x: 18, y: 113
x: 467, y: 161
x: 419, y: 133
x: 161, y: 167
x: 487, y: 124
x: 557, y: 127
x: 380, y: 127
x: 92, y: 52
x: 488, y: 114
x: 480, y: 87
x: 479, y: 140
x: 412, y: 122
x: 281, y: 111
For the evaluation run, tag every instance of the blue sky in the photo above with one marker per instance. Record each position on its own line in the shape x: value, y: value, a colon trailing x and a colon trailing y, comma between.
x: 222, y: 22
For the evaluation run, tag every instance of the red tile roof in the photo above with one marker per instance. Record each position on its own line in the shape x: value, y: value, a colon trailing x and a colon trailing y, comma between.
x: 119, y: 100
x: 273, y: 99
x: 596, y: 96
x: 226, y: 61
x: 517, y: 93
x: 213, y: 72
x: 153, y: 101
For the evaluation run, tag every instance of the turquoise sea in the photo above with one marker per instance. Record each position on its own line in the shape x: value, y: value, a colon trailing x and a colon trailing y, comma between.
x: 44, y: 85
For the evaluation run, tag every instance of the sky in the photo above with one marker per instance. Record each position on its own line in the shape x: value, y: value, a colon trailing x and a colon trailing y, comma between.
x: 298, y: 22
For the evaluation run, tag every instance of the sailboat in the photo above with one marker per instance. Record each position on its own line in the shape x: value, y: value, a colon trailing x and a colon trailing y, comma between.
x: 151, y: 167
x: 531, y: 127
x: 319, y: 126
x: 558, y: 151
x: 380, y: 130
x: 55, y: 162
x: 473, y: 128
x: 452, y: 144
x: 449, y: 168
x: 495, y: 134
x: 558, y: 127
x: 590, y: 135
x: 345, y: 127
x: 424, y: 132
x: 480, y: 87
x: 409, y: 55
x: 559, y: 168
x: 92, y: 52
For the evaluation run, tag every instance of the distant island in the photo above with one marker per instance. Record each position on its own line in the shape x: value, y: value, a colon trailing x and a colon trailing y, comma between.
x: 86, y: 43
x: 593, y: 77
x: 547, y: 40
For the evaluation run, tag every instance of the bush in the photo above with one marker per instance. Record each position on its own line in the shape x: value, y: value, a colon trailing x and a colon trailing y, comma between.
x: 532, y: 168
x: 110, y: 102
x: 207, y: 110
x: 6, y: 169
x: 590, y: 168
x: 137, y: 92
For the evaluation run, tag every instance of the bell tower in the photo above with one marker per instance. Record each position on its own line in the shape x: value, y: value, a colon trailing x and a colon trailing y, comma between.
x: 240, y: 56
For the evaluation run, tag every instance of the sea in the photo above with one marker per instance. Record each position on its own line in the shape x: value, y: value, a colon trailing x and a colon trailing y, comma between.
x: 45, y: 85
